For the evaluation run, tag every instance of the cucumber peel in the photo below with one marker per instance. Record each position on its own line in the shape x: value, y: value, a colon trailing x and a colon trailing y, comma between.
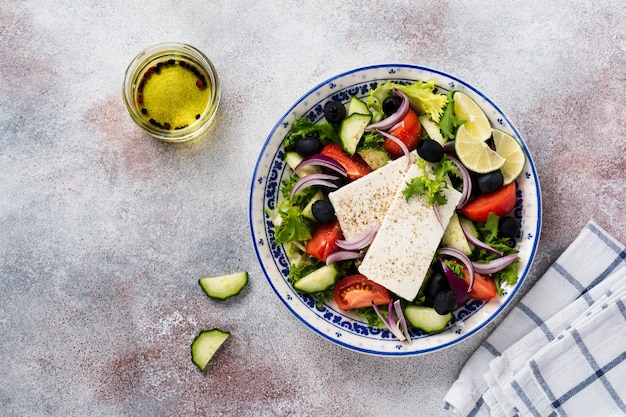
x: 224, y: 286
x: 318, y: 280
x: 351, y: 131
x: 356, y: 105
x: 426, y: 318
x: 205, y: 345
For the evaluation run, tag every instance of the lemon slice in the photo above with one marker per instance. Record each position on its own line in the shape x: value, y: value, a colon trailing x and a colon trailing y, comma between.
x: 475, y: 120
x: 475, y: 154
x: 510, y: 149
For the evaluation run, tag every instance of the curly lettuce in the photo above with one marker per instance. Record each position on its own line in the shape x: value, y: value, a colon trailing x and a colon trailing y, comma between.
x: 421, y: 93
x: 290, y: 225
x: 489, y: 234
x: 449, y: 122
x: 303, y: 127
x: 431, y: 186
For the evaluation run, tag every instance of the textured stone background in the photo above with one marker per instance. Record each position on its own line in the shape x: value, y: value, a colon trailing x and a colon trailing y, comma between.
x: 104, y: 231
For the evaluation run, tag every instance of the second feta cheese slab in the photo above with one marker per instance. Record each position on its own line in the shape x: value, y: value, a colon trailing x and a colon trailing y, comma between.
x: 407, y: 240
x: 362, y: 204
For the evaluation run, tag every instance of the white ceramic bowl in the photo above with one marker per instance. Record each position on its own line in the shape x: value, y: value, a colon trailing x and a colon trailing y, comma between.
x: 328, y: 321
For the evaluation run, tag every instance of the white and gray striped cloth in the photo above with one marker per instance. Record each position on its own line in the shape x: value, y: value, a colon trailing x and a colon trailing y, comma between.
x: 561, y: 351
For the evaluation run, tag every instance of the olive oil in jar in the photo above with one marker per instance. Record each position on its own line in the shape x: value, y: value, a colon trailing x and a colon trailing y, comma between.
x: 172, y: 91
x: 173, y: 94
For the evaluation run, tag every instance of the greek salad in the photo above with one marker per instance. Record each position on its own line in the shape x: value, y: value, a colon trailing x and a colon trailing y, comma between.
x: 399, y: 206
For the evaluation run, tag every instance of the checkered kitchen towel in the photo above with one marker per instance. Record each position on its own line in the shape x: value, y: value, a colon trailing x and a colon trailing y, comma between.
x: 562, y: 349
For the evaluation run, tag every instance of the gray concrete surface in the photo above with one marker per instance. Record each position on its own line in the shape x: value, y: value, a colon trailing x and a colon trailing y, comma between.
x: 105, y: 231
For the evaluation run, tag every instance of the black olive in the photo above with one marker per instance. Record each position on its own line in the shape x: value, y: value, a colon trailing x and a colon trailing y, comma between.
x: 391, y: 104
x: 323, y: 211
x: 445, y: 302
x: 430, y: 150
x: 508, y: 226
x: 334, y: 112
x: 488, y: 183
x: 309, y: 145
x: 436, y: 282
x: 339, y: 182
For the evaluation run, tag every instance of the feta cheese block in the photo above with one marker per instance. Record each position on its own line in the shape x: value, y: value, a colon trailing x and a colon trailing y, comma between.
x: 405, y: 245
x: 363, y: 203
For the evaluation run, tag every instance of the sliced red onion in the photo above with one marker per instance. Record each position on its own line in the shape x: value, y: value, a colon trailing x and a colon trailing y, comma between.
x: 390, y: 321
x: 467, y: 182
x: 401, y: 320
x: 477, y: 242
x: 495, y: 265
x: 397, y: 141
x: 457, y: 285
x: 360, y: 241
x: 395, y: 118
x: 394, y: 127
x: 323, y: 161
x: 438, y: 216
x: 343, y: 255
x: 455, y: 253
x: 449, y: 148
x: 313, y: 179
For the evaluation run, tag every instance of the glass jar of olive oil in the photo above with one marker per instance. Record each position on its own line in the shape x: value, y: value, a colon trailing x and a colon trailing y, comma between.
x: 172, y: 91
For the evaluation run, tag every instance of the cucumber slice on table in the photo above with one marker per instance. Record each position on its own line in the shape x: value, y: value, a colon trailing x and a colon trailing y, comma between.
x: 205, y: 345
x: 426, y: 318
x: 224, y: 286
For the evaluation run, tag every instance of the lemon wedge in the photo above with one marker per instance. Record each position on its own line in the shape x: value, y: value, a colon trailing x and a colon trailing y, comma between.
x: 474, y: 152
x: 476, y: 121
x: 511, y: 150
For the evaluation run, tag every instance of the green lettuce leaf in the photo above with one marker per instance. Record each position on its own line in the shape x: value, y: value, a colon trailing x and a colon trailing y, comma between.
x: 421, y: 93
x: 431, y: 186
x: 449, y: 123
x: 304, y: 127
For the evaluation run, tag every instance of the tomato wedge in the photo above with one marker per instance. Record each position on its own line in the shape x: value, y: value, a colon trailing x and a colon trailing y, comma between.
x: 408, y: 131
x: 356, y: 291
x: 484, y: 287
x: 324, y: 240
x: 500, y: 202
x: 355, y: 166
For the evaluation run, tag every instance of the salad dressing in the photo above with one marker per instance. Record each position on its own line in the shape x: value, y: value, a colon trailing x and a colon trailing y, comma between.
x: 173, y: 94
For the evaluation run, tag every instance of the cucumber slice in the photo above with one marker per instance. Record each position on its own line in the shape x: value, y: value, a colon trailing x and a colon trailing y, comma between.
x: 307, y: 212
x: 294, y: 158
x: 357, y: 106
x: 205, y: 345
x: 454, y: 236
x: 426, y: 318
x: 318, y: 280
x: 432, y: 128
x: 351, y: 131
x: 375, y: 158
x: 224, y: 286
x: 469, y: 226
